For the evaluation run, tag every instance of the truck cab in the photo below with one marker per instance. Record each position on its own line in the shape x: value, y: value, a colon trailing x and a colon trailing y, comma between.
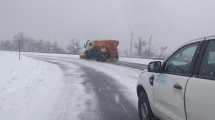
x: 89, y: 44
x: 182, y: 86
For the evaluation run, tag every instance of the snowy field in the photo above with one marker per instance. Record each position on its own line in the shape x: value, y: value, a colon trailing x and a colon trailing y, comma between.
x: 25, y: 86
x: 30, y: 89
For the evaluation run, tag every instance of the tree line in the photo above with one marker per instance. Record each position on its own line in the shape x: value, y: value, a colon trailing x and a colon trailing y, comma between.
x: 145, y: 49
x: 28, y: 44
x: 142, y: 48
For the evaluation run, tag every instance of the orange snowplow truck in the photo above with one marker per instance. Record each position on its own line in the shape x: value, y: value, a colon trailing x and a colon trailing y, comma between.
x: 101, y: 50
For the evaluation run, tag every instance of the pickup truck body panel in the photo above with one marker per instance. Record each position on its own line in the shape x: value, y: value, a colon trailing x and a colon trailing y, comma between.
x: 200, y: 99
x: 144, y: 82
x: 166, y: 101
x: 169, y: 100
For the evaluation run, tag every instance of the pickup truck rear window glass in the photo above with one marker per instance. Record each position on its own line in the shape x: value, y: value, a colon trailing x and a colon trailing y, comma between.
x: 207, y: 69
x: 180, y: 63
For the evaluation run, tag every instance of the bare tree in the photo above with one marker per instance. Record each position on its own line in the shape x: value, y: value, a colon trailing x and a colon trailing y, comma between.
x: 131, y: 43
x: 126, y: 53
x: 139, y: 46
x: 28, y: 44
x: 6, y: 45
x: 162, y: 51
x: 74, y: 47
x: 149, y: 50
x: 18, y: 41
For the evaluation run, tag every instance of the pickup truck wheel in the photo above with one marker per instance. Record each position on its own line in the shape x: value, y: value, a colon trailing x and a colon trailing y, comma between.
x: 144, y: 108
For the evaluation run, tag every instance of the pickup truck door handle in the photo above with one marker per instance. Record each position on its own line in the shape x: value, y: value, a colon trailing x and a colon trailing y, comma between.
x: 177, y: 86
x: 151, y: 80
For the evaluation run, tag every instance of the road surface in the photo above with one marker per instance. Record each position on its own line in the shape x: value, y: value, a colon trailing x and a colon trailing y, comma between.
x: 120, y: 63
x: 111, y: 103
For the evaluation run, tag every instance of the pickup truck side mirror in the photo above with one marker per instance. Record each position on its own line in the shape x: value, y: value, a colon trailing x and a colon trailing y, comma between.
x: 154, y: 66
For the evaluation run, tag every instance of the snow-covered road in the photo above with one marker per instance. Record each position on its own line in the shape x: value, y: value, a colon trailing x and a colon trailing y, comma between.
x: 75, y: 101
x: 74, y: 90
x: 113, y: 87
x: 110, y: 96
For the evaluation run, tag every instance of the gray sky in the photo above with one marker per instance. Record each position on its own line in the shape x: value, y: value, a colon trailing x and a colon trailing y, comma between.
x: 171, y: 22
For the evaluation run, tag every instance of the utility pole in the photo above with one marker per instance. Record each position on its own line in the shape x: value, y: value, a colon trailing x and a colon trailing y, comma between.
x: 131, y: 42
x: 19, y: 38
x: 150, y: 44
x: 19, y: 48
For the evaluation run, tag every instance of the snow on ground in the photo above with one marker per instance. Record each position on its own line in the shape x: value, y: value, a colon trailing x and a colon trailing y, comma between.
x: 25, y: 87
x: 36, y: 90
x: 123, y: 59
x: 127, y: 77
x: 136, y: 60
x: 32, y: 89
x: 52, y: 55
x: 74, y: 97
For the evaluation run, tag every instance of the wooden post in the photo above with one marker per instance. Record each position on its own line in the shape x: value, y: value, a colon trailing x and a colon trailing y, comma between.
x: 150, y: 46
x: 20, y: 42
x: 19, y: 45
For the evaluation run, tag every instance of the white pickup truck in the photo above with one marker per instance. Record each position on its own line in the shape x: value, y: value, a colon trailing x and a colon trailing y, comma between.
x: 182, y: 87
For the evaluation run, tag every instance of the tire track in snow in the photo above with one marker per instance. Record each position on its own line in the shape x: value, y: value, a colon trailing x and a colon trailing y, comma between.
x: 66, y: 108
x: 112, y: 105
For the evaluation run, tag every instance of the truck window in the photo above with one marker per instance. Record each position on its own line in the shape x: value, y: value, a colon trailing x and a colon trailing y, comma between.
x: 180, y: 62
x: 207, y: 69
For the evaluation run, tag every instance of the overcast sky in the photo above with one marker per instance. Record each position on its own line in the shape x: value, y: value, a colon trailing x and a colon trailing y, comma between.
x: 170, y: 22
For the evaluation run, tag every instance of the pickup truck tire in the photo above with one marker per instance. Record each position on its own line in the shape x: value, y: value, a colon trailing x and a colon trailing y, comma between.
x: 144, y: 109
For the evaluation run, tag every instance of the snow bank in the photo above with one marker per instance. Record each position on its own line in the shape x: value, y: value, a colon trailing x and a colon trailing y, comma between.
x: 136, y: 60
x: 52, y: 55
x: 124, y: 59
x: 28, y: 88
